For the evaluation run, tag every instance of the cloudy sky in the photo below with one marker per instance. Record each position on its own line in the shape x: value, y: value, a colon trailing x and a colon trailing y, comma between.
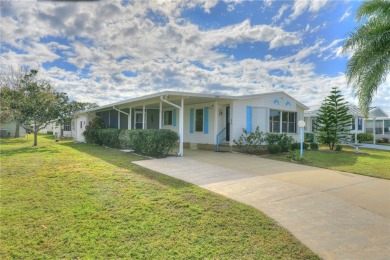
x: 108, y: 51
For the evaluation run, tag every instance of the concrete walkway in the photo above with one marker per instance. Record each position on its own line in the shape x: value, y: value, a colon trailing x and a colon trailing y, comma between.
x: 338, y: 215
x: 376, y: 146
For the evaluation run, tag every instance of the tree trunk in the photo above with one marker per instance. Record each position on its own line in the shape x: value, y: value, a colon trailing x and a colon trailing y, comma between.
x: 17, y: 134
x: 35, y: 138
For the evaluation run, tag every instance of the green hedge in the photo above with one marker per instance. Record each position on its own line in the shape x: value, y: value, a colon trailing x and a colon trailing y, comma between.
x: 150, y: 142
x: 364, y: 137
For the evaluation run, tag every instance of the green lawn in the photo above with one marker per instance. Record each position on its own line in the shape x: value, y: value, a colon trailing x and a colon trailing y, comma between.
x: 369, y: 162
x: 68, y: 200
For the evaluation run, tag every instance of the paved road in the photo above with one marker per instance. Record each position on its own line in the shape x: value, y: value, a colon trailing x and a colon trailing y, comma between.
x: 338, y: 215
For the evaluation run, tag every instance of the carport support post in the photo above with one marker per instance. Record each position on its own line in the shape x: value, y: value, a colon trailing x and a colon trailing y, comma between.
x: 373, y: 129
x: 181, y: 128
x: 301, y: 125
x: 160, y: 117
x: 143, y: 117
x: 129, y: 120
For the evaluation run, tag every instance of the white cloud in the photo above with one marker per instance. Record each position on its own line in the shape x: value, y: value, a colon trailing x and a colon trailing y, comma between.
x: 280, y: 13
x: 300, y: 6
x: 174, y: 54
x: 346, y: 14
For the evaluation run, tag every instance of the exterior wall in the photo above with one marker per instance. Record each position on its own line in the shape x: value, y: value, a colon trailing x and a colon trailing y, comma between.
x: 81, y: 121
x: 11, y: 127
x: 261, y: 107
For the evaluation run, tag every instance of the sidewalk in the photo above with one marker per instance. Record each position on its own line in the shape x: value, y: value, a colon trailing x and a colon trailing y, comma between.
x: 338, y: 215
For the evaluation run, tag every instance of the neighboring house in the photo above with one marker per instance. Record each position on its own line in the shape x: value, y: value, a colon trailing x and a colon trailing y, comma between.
x: 201, y: 120
x: 8, y: 129
x: 359, y: 123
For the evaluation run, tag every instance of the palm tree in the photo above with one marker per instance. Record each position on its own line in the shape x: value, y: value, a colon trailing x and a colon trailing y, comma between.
x: 369, y: 64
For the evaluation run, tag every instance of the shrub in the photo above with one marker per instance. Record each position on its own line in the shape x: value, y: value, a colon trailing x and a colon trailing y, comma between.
x: 91, y: 132
x: 339, y: 148
x: 274, y: 149
x: 110, y: 137
x: 283, y: 140
x: 379, y: 141
x: 365, y: 137
x: 385, y: 140
x: 297, y: 146
x: 295, y: 156
x: 49, y: 132
x: 152, y: 142
x: 250, y: 143
x: 309, y: 137
x: 313, y: 146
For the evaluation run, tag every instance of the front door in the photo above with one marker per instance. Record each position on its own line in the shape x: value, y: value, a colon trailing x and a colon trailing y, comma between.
x: 228, y: 124
x: 138, y: 122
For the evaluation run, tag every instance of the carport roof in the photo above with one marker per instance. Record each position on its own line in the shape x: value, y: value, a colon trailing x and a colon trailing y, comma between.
x: 175, y: 97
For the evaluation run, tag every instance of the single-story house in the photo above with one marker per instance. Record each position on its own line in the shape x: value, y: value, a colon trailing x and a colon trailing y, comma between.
x: 201, y: 120
x: 8, y: 129
x: 359, y: 124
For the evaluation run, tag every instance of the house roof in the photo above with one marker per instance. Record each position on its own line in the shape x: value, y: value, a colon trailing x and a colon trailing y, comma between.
x: 175, y: 97
x: 374, y: 112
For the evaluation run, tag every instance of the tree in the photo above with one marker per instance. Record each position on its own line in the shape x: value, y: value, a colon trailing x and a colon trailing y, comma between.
x: 333, y: 122
x: 40, y: 104
x: 369, y: 64
x: 11, y: 96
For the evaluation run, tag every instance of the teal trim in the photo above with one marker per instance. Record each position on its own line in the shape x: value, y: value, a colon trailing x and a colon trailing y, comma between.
x: 174, y: 117
x: 192, y: 118
x: 206, y: 120
x: 249, y: 119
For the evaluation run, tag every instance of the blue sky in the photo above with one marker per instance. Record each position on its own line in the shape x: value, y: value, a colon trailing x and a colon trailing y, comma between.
x: 108, y: 51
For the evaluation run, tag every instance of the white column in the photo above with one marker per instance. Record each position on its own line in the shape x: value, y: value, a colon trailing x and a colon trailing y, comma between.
x: 129, y: 120
x: 143, y: 117
x: 373, y: 124
x: 383, y: 126
x: 119, y: 120
x: 181, y: 128
x: 161, y: 116
x: 216, y: 129
x: 356, y: 127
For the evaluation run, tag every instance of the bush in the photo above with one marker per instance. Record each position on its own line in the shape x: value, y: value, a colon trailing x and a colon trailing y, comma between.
x: 250, y: 143
x: 313, y: 146
x: 152, y: 142
x: 297, y: 146
x: 338, y: 148
x: 365, y: 137
x: 110, y: 137
x: 379, y: 141
x: 49, y: 132
x: 283, y: 140
x: 309, y: 137
x: 91, y: 132
x: 274, y: 149
x: 385, y: 140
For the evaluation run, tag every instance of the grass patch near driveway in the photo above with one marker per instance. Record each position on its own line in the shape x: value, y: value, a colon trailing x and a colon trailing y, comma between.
x: 70, y: 200
x: 369, y: 162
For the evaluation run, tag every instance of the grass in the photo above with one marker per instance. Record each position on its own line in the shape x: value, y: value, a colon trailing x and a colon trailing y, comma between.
x: 69, y: 200
x: 368, y: 162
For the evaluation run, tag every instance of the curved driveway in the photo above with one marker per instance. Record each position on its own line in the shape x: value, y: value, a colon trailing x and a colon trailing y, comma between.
x: 338, y: 215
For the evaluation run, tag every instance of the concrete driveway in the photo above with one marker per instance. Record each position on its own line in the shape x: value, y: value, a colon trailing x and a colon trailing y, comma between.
x: 338, y: 215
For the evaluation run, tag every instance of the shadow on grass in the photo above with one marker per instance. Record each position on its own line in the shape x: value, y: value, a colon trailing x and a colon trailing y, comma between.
x: 18, y: 146
x: 124, y: 160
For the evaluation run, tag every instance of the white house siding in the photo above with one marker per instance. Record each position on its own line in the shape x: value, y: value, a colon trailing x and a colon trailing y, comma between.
x: 11, y: 127
x: 199, y: 137
x: 81, y: 121
x: 261, y: 106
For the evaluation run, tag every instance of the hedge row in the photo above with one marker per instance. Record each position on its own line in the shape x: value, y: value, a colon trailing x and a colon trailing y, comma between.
x: 150, y: 142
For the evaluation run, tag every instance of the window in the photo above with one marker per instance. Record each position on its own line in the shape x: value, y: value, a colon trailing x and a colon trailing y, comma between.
x: 360, y: 124
x: 81, y: 124
x: 67, y: 126
x: 274, y: 121
x: 199, y: 120
x: 314, y: 125
x: 353, y: 124
x: 168, y: 117
x: 282, y: 122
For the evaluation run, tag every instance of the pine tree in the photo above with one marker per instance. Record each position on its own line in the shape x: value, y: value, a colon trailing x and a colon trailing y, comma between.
x: 333, y: 121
